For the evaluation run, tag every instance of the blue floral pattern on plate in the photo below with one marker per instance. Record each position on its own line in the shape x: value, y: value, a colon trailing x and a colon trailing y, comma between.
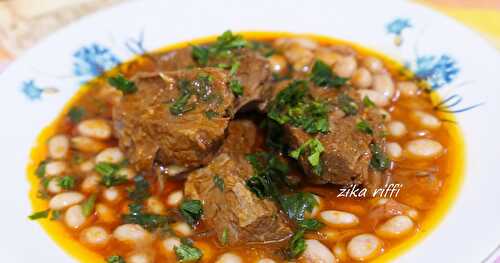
x: 31, y: 90
x: 93, y: 60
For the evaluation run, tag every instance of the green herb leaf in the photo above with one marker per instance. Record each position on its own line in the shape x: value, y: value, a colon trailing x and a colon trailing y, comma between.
x: 263, y: 48
x: 180, y: 105
x: 104, y: 168
x: 121, y: 83
x: 210, y: 114
x: 218, y: 182
x: 379, y: 160
x: 186, y: 252
x: 149, y: 221
x: 39, y: 215
x: 191, y: 210
x: 297, y: 245
x: 294, y: 105
x: 140, y: 191
x: 227, y: 42
x: 115, y: 259
x: 275, y: 136
x: 322, y: 75
x: 40, y: 170
x: 88, y: 205
x: 55, y: 215
x: 236, y: 87
x: 313, y: 148
x: 224, y: 237
x: 67, y: 182
x: 364, y: 126
x: 234, y: 68
x: 269, y: 175
x: 368, y: 102
x: 109, y: 177
x: 200, y: 54
x: 347, y: 104
x: 310, y: 224
x: 295, y: 205
x: 76, y: 114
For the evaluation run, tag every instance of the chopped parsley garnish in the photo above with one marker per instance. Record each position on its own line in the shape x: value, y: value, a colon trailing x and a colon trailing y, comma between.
x: 364, y: 127
x: 76, y: 114
x: 236, y: 87
x: 297, y: 245
x: 310, y: 224
x: 347, y: 104
x: 39, y: 215
x: 210, y: 114
x: 223, y: 47
x: 191, y: 210
x: 368, y: 102
x: 149, y: 221
x: 269, y: 175
x: 294, y: 105
x: 263, y: 48
x: 140, y: 191
x: 40, y: 170
x: 234, y: 67
x: 109, y: 177
x: 275, y: 137
x: 186, y: 252
x: 115, y: 259
x: 313, y: 148
x: 224, y: 238
x: 323, y: 76
x: 200, y: 55
x: 67, y: 182
x: 55, y: 215
x: 180, y: 105
x: 379, y: 160
x: 88, y: 205
x: 296, y: 205
x: 121, y: 83
x: 218, y: 182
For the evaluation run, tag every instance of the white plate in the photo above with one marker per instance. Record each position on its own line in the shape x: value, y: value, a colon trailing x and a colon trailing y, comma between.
x: 459, y: 62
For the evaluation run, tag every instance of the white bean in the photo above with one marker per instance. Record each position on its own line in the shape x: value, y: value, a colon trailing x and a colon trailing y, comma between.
x: 328, y: 56
x: 55, y: 168
x: 182, y: 229
x: 111, y: 194
x: 373, y: 64
x: 110, y: 155
x: 139, y: 258
x: 95, y: 128
x: 315, y: 209
x: 127, y: 173
x: 87, y: 166
x: 63, y: 200
x: 74, y: 217
x: 364, y: 247
x: 340, y: 252
x: 58, y: 146
x: 229, y: 258
x: 316, y: 252
x: 305, y: 43
x: 175, y: 198
x: 394, y: 150
x: 95, y: 236
x: 424, y: 148
x: 266, y: 260
x: 339, y: 219
x: 395, y: 227
x: 297, y: 53
x: 383, y: 84
x: 90, y: 183
x: 175, y: 169
x: 155, y: 206
x: 407, y: 88
x: 345, y: 67
x: 170, y: 243
x: 427, y: 120
x: 362, y: 78
x: 131, y: 233
x: 53, y: 187
x: 396, y: 129
x: 86, y: 144
x: 378, y: 98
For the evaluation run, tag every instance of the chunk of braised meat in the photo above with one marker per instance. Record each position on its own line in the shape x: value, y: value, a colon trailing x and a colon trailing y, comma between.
x: 252, y: 72
x: 176, y: 119
x: 333, y: 133
x: 230, y: 208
